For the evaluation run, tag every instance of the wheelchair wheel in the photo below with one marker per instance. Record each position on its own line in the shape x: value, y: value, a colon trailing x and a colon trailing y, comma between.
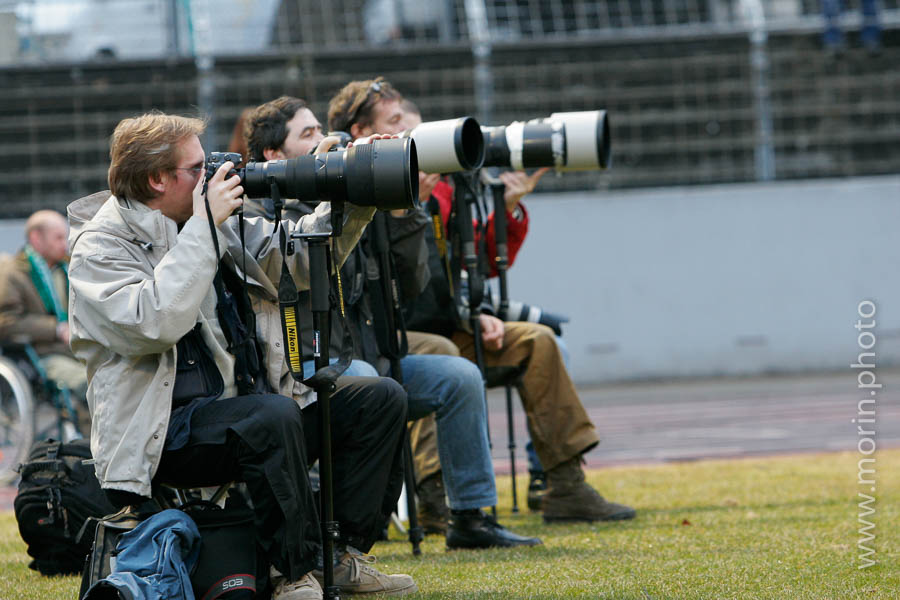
x: 16, y: 419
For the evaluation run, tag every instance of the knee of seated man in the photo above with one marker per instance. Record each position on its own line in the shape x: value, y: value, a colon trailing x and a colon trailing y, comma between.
x: 431, y: 343
x: 541, y: 334
x: 462, y: 374
x: 389, y: 396
x: 276, y: 409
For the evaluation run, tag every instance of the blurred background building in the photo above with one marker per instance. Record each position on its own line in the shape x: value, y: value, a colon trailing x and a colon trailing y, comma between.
x: 755, y: 190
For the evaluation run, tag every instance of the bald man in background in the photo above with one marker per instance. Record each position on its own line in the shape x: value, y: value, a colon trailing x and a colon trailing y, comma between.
x: 34, y: 303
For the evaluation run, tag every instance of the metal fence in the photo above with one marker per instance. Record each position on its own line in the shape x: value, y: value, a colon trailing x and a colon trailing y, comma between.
x: 74, y: 30
x: 695, y: 94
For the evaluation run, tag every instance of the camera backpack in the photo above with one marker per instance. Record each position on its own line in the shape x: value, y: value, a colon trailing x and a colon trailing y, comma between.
x: 57, y: 494
x: 230, y: 566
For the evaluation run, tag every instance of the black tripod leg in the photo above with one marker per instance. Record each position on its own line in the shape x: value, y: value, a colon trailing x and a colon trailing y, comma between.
x: 511, y: 437
x: 479, y: 360
x: 416, y: 534
x: 320, y: 305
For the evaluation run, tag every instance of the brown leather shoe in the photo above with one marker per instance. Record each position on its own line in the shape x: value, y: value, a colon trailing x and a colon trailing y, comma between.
x: 355, y: 575
x: 433, y: 512
x: 570, y: 498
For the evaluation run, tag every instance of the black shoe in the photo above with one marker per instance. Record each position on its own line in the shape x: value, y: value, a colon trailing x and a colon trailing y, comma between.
x: 475, y: 529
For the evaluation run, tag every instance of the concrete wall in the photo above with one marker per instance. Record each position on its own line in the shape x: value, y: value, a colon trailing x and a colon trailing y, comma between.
x: 720, y: 280
x: 706, y: 281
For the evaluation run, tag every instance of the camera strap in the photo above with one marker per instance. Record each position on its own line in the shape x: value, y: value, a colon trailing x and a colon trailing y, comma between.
x: 236, y: 317
x: 390, y: 327
x: 289, y: 307
x: 440, y: 239
x: 463, y: 234
x: 481, y: 234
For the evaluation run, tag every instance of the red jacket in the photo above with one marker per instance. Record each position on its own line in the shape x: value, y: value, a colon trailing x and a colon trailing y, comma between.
x: 516, y: 230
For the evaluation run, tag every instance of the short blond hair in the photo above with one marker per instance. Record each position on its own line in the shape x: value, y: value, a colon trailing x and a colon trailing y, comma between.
x: 146, y: 146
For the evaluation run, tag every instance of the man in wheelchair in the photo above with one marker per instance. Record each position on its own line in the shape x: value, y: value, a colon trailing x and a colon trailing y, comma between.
x: 174, y: 395
x: 34, y: 301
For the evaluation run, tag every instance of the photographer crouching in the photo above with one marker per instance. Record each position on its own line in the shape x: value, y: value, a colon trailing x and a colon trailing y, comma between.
x: 153, y: 316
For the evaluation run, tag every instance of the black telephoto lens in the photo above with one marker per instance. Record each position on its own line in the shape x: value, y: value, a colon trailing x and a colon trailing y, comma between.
x: 383, y: 174
x: 526, y: 145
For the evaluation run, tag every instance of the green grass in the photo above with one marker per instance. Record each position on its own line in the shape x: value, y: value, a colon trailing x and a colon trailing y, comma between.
x: 783, y: 527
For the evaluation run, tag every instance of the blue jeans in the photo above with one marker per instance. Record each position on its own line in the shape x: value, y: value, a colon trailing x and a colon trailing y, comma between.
x: 452, y: 389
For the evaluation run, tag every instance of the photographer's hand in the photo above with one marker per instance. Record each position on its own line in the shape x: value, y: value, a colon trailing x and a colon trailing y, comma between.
x: 326, y: 144
x: 427, y: 182
x: 371, y: 138
x: 224, y: 195
x: 518, y: 184
x: 492, y: 330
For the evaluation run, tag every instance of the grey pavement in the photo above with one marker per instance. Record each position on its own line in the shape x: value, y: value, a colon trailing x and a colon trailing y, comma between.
x: 714, y: 418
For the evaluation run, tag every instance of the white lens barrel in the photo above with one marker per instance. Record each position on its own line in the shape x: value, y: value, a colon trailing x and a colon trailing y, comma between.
x: 514, y: 141
x: 448, y: 146
x: 587, y: 139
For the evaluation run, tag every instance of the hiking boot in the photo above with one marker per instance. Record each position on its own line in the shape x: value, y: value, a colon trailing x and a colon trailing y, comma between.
x: 353, y: 575
x: 569, y: 498
x: 476, y: 529
x: 537, y: 487
x: 305, y: 588
x: 433, y: 512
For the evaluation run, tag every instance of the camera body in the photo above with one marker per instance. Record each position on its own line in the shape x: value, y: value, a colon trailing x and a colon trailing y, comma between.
x: 217, y: 159
x: 519, y: 311
x: 345, y: 139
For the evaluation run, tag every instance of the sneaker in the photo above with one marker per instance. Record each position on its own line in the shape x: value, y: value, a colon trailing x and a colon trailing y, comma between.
x: 433, y: 512
x: 570, y: 498
x: 354, y: 575
x: 476, y: 529
x: 305, y: 588
x: 537, y: 487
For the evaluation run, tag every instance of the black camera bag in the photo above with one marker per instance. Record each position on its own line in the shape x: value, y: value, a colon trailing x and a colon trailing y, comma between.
x: 57, y: 494
x: 229, y: 566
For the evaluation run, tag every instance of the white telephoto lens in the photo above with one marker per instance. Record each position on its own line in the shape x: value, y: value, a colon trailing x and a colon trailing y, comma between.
x: 587, y: 140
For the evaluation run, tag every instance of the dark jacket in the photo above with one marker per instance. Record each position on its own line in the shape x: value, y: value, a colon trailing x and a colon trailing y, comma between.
x: 360, y: 278
x: 434, y: 310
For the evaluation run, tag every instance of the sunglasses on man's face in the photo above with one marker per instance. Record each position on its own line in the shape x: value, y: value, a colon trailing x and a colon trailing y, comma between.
x: 375, y: 87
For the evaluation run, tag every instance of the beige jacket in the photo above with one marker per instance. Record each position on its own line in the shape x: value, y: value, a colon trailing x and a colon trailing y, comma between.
x: 137, y: 285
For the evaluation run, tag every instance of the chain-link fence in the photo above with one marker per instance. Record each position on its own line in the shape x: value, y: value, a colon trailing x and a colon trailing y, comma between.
x: 694, y: 93
x: 74, y: 30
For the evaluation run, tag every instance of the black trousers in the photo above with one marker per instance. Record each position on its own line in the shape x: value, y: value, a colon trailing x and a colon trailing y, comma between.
x: 267, y: 442
x: 368, y: 415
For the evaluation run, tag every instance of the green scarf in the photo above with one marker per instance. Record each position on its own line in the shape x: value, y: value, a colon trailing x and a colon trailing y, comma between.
x: 43, y: 281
